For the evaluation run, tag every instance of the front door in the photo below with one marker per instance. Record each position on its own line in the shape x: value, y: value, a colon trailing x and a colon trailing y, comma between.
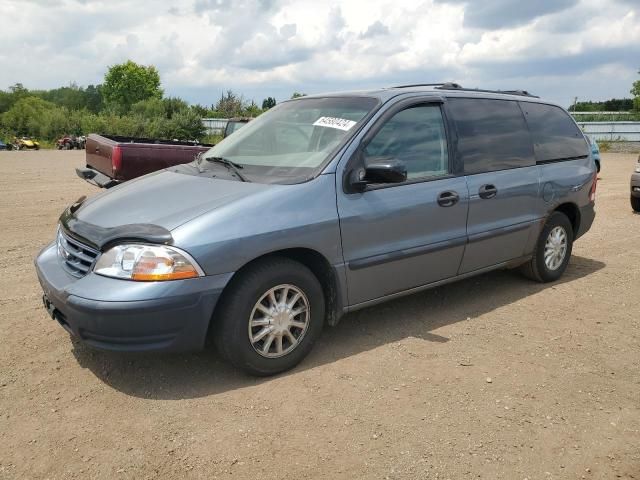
x: 399, y: 236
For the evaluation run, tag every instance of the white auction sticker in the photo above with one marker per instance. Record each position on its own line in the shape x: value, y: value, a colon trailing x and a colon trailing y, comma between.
x: 333, y: 122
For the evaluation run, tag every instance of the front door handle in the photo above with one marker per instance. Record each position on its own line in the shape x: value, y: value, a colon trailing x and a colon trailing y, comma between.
x: 448, y: 199
x: 487, y: 191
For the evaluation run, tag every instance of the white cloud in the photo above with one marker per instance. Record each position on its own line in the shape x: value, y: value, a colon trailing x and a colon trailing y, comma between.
x: 273, y: 47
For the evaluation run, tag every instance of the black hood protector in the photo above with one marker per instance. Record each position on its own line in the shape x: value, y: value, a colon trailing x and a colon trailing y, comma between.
x: 100, y: 237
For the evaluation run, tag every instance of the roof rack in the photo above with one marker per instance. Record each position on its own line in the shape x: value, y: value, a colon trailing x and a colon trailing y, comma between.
x: 423, y: 85
x: 455, y: 86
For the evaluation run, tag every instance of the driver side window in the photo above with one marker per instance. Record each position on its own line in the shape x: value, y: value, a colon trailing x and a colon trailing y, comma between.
x: 416, y: 137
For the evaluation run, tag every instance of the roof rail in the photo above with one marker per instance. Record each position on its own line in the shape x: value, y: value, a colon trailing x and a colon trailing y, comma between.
x: 420, y: 85
x: 455, y: 86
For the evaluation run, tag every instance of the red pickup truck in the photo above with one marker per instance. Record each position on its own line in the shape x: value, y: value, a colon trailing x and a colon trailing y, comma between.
x: 112, y: 160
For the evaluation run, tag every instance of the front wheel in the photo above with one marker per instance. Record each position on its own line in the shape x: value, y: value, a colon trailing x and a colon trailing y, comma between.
x: 269, y: 317
x: 553, y: 250
x: 635, y: 204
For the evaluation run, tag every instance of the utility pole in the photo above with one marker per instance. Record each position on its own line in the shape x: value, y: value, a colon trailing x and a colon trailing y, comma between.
x: 575, y: 101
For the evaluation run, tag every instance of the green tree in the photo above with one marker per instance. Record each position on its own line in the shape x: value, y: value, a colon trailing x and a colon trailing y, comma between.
x: 268, y: 103
x: 6, y: 101
x: 27, y: 116
x: 298, y: 95
x: 129, y: 83
x: 184, y: 125
x: 173, y: 105
x: 93, y: 95
x: 19, y: 91
x: 203, y: 112
x: 635, y: 91
x: 251, y: 110
x: 148, y: 109
x: 15, y: 93
x: 230, y: 104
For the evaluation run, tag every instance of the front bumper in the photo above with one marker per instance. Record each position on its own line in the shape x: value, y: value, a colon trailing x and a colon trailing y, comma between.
x: 635, y: 185
x: 122, y: 315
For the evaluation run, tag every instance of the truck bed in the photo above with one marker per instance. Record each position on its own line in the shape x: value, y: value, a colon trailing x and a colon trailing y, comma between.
x: 113, y: 159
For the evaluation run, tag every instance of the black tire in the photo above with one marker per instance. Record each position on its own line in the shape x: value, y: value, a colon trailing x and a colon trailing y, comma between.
x: 536, y: 268
x: 230, y: 327
x: 598, y: 166
x: 635, y: 204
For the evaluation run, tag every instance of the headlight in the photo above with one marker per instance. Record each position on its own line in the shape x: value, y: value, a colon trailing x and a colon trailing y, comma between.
x: 147, y: 263
x: 638, y: 168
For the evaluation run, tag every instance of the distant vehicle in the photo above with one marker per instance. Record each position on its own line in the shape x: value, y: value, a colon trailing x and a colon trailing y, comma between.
x: 112, y: 160
x: 69, y: 142
x: 4, y: 146
x: 635, y: 188
x: 327, y: 204
x: 595, y: 151
x: 25, y: 143
x: 235, y: 124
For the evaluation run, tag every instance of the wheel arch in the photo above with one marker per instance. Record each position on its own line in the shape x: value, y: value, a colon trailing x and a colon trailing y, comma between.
x: 572, y: 212
x: 319, y: 266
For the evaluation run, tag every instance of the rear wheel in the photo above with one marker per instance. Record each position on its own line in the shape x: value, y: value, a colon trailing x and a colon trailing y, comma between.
x: 269, y: 317
x: 635, y: 204
x: 553, y: 250
x: 598, y: 165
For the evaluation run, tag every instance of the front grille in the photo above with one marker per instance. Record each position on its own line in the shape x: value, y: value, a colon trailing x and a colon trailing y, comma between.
x: 78, y: 258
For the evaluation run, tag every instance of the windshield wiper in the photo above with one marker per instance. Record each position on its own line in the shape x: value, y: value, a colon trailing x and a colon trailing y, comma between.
x: 234, y: 167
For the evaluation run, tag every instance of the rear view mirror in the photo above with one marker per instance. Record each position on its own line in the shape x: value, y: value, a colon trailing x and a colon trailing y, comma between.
x: 380, y: 170
x: 388, y: 171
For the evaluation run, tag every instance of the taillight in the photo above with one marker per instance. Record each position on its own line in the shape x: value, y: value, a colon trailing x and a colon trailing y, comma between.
x: 592, y: 193
x: 116, y: 159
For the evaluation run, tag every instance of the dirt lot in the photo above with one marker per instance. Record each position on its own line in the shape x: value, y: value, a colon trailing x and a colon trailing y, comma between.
x: 495, y: 377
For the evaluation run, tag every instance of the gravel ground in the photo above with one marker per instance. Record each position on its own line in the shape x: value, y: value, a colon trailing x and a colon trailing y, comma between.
x: 623, y: 147
x: 494, y: 377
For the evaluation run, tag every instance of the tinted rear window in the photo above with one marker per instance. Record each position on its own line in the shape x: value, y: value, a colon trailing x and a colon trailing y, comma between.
x: 555, y: 135
x: 492, y: 134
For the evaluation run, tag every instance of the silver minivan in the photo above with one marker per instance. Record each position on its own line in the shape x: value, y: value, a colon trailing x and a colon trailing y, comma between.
x: 323, y: 205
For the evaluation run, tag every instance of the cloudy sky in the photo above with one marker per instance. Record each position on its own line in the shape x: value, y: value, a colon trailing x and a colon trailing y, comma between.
x: 555, y: 48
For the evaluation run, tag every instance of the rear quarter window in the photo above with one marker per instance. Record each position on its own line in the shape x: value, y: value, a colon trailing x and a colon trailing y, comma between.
x: 492, y: 134
x: 555, y: 135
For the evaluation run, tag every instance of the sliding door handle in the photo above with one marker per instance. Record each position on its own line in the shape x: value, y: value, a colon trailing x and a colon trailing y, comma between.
x: 487, y: 191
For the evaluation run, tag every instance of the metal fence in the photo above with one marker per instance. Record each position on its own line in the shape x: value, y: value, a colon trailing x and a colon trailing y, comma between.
x: 215, y: 126
x: 624, y: 131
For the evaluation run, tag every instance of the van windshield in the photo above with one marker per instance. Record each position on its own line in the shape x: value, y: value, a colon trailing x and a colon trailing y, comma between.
x: 292, y: 142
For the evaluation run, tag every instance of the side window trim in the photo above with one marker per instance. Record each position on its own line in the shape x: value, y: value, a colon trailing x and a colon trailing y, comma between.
x: 523, y: 107
x: 459, y: 160
x: 381, y: 122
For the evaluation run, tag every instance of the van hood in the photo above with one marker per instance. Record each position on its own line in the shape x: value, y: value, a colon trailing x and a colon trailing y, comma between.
x: 153, y: 204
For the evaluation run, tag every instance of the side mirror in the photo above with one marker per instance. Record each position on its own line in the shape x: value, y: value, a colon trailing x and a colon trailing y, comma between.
x: 379, y: 171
